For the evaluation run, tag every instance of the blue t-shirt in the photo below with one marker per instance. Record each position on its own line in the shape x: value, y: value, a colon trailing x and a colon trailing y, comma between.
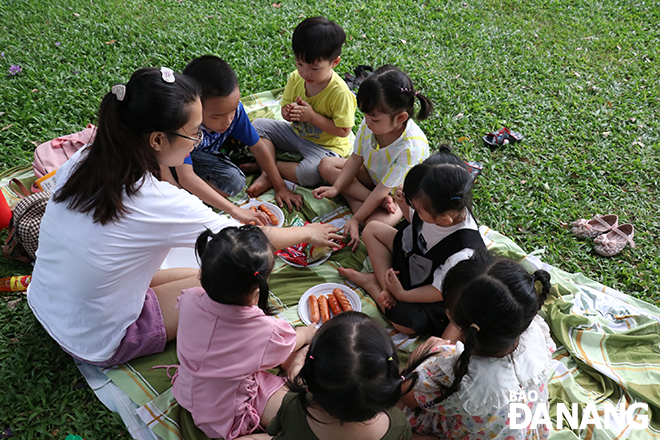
x: 240, y: 129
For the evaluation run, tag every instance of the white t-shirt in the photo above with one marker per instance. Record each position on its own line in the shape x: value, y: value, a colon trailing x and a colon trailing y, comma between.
x: 433, y: 233
x: 390, y: 165
x: 89, y: 281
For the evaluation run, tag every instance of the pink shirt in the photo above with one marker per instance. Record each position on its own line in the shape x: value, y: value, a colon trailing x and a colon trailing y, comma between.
x: 224, y: 351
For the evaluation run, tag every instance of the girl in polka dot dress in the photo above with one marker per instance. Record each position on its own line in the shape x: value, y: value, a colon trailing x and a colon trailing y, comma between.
x: 464, y: 389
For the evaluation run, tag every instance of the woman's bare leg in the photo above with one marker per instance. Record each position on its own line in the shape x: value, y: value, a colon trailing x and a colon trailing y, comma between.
x: 168, y: 284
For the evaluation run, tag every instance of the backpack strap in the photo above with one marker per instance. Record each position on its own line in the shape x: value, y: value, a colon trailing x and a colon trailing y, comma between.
x: 18, y: 187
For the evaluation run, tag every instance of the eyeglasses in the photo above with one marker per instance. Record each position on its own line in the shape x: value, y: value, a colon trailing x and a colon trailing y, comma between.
x: 198, y: 139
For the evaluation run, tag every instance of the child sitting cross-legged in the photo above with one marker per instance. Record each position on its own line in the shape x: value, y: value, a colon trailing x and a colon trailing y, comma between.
x: 465, y: 389
x: 387, y: 145
x: 347, y: 388
x: 317, y: 105
x: 227, y: 339
x: 208, y: 172
x: 410, y: 263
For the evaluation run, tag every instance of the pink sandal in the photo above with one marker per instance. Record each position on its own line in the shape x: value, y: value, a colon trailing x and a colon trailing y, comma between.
x: 614, y: 241
x: 598, y: 225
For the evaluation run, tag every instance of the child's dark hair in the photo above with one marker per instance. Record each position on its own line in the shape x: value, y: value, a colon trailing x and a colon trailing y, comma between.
x: 493, y: 300
x: 441, y: 183
x: 120, y: 155
x: 351, y: 370
x: 213, y: 74
x: 390, y: 91
x: 316, y: 39
x: 234, y: 262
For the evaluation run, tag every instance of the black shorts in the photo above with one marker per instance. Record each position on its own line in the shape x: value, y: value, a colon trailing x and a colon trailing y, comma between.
x: 423, y: 318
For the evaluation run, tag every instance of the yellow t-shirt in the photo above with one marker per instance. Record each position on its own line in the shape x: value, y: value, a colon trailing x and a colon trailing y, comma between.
x: 335, y: 102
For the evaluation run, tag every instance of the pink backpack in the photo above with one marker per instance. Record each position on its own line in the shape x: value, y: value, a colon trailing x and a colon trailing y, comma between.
x: 51, y: 155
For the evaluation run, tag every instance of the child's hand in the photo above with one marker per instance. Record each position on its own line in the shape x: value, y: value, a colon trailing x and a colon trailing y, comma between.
x: 286, y: 111
x: 285, y: 195
x: 388, y: 204
x: 393, y: 285
x: 399, y: 197
x: 302, y: 112
x: 352, y: 229
x: 322, y: 234
x: 306, y: 333
x: 386, y: 299
x: 327, y: 192
x: 250, y: 218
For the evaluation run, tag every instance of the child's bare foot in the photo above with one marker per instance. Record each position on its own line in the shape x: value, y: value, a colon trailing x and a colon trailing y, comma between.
x: 249, y: 167
x: 367, y: 281
x: 260, y: 186
x: 389, y: 205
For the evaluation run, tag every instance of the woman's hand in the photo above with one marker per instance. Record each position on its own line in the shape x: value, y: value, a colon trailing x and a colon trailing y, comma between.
x: 322, y: 234
x: 352, y: 229
x: 327, y: 192
x: 250, y: 217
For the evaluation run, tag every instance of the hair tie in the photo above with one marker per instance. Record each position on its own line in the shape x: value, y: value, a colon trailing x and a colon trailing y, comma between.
x: 256, y: 273
x: 403, y: 377
x: 473, y: 325
x: 119, y: 90
x: 389, y: 359
x: 416, y: 93
x: 167, y: 74
x: 311, y: 357
x: 456, y: 198
x: 405, y: 90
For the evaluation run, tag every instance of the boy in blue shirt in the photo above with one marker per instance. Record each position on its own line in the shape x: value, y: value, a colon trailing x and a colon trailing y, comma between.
x: 208, y: 172
x: 317, y: 105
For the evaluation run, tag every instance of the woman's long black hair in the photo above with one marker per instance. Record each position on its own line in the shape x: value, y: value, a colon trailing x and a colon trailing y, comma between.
x: 120, y: 155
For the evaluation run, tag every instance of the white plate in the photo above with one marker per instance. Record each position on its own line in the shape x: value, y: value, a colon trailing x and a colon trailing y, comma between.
x: 316, y: 263
x: 326, y: 289
x: 273, y: 208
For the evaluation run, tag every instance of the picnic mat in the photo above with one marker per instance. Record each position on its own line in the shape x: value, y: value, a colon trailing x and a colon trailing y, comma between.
x: 608, y: 343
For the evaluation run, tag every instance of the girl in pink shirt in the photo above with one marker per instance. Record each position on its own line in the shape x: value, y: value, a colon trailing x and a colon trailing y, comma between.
x: 227, y: 338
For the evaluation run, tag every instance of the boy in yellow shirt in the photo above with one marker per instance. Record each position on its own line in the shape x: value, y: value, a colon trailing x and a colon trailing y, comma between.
x: 317, y: 105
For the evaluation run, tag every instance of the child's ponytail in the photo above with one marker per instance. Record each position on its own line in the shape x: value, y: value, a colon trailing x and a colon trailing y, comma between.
x: 390, y: 91
x: 234, y: 262
x: 425, y: 107
x: 542, y: 277
x: 351, y: 371
x: 492, y: 300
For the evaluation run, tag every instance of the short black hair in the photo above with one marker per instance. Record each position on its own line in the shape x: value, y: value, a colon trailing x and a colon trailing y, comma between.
x: 213, y: 74
x: 317, y: 38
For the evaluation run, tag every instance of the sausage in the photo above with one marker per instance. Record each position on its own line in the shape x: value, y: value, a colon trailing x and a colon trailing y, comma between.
x: 314, y: 315
x: 253, y: 209
x: 342, y: 300
x: 273, y: 217
x: 334, y: 305
x: 323, y: 309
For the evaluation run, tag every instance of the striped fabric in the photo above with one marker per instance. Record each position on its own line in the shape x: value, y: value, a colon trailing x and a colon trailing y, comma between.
x: 608, y: 342
x: 390, y: 165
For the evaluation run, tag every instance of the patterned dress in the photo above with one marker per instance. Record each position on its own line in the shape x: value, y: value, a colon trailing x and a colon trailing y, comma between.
x: 480, y: 408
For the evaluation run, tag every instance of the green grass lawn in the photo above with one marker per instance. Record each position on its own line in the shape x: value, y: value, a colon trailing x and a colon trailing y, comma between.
x: 578, y: 78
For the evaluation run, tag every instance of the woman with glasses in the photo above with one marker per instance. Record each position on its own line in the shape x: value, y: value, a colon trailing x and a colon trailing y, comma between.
x: 96, y: 286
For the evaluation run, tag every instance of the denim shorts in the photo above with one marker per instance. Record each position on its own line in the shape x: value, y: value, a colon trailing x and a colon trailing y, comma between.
x: 219, y: 171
